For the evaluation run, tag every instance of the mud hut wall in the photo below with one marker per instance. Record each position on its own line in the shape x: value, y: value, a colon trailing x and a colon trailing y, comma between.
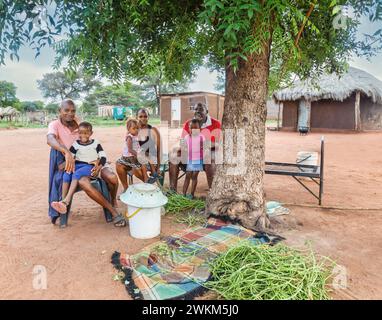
x: 330, y: 114
x: 290, y: 115
x: 165, y: 109
x: 371, y: 114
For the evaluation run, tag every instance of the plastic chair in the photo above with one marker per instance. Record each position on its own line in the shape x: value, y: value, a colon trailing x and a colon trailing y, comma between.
x: 101, y: 186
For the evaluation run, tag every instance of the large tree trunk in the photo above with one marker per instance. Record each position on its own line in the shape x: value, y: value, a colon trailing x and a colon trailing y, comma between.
x: 240, y: 195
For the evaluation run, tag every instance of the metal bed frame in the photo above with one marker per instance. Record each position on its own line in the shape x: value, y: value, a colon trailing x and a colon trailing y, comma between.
x: 295, y: 170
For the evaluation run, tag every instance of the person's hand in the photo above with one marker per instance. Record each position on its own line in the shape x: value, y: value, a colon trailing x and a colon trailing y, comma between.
x: 69, y: 162
x: 96, y: 169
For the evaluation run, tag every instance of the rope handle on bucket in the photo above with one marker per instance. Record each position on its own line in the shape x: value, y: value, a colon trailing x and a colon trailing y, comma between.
x: 133, y: 214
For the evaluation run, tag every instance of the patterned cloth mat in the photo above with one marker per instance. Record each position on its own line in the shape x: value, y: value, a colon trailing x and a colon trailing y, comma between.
x: 177, y: 266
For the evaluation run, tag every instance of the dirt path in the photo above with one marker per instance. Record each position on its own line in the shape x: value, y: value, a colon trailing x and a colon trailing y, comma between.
x: 77, y: 260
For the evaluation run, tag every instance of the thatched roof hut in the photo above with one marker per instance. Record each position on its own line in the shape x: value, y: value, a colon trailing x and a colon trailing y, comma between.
x: 350, y: 101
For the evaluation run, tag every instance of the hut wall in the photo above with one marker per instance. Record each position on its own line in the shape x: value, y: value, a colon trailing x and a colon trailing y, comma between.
x: 371, y: 114
x: 165, y: 109
x: 290, y: 115
x: 272, y: 110
x: 215, y: 107
x: 187, y: 112
x: 330, y: 114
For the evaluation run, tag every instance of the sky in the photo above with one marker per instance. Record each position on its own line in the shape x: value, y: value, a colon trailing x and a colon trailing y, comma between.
x: 25, y: 72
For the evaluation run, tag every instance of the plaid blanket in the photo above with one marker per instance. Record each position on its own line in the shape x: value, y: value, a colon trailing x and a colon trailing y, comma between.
x: 177, y: 266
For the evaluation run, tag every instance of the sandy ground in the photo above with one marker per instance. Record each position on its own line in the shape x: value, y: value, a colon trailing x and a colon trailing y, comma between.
x: 77, y: 259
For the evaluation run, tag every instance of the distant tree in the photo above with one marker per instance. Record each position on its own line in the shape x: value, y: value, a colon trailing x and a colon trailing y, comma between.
x: 7, y: 94
x: 113, y: 95
x: 61, y: 85
x: 89, y: 106
x: 27, y: 106
x: 31, y: 106
x: 52, y: 107
x: 154, y: 85
x: 220, y: 82
x: 39, y: 104
x: 109, y: 95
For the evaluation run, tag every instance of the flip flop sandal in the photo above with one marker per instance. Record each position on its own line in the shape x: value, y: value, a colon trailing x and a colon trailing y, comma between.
x: 152, y: 180
x: 119, y: 221
x: 60, y: 206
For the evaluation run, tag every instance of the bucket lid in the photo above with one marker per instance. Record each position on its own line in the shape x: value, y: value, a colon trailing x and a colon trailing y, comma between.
x: 144, y: 195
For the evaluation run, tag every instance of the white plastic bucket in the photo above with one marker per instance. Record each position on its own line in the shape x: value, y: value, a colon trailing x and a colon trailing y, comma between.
x: 146, y: 223
x: 307, y: 158
x: 144, y: 203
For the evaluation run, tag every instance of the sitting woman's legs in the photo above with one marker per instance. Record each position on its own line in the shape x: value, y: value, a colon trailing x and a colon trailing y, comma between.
x: 111, y: 180
x: 95, y: 195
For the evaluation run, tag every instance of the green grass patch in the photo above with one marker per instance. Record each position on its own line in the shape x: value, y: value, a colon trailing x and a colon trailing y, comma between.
x: 17, y: 125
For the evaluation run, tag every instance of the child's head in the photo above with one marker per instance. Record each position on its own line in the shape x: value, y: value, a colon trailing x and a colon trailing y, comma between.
x: 132, y: 126
x: 195, y: 126
x: 85, y: 130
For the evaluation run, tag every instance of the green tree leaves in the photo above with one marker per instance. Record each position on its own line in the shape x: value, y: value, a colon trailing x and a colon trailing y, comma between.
x: 7, y: 94
x: 70, y: 84
x: 121, y: 39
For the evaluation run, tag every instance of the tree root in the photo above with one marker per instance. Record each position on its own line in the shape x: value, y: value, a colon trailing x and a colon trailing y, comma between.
x: 240, y: 211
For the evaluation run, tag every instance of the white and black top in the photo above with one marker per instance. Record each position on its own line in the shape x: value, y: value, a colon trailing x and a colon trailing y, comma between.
x: 85, y: 153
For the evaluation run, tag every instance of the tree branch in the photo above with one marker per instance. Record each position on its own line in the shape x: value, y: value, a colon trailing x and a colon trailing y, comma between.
x: 312, y: 5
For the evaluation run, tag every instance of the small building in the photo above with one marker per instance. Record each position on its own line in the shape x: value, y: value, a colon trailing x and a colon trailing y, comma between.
x: 115, y: 112
x: 352, y: 101
x: 105, y: 111
x: 177, y: 108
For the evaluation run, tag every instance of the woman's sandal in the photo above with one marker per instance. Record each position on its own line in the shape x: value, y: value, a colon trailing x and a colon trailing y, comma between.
x: 119, y: 221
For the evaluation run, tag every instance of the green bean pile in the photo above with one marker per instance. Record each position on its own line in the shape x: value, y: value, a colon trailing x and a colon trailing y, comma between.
x: 263, y: 272
x: 179, y: 203
x: 190, y: 218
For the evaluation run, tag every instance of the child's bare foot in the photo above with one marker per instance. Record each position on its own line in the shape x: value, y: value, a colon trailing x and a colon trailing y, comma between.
x: 60, y: 206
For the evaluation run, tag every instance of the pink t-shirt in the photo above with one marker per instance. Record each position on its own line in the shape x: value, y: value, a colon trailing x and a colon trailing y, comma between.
x: 62, y: 133
x: 195, y: 146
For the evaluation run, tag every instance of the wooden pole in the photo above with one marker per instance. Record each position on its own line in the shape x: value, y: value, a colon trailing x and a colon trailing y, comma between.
x: 309, y: 112
x: 357, y: 112
x: 279, y: 115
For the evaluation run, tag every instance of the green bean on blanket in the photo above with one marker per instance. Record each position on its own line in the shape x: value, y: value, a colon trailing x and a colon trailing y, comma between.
x: 263, y: 272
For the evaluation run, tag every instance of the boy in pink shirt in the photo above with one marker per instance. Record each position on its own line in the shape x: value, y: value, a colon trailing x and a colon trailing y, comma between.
x: 193, y: 144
